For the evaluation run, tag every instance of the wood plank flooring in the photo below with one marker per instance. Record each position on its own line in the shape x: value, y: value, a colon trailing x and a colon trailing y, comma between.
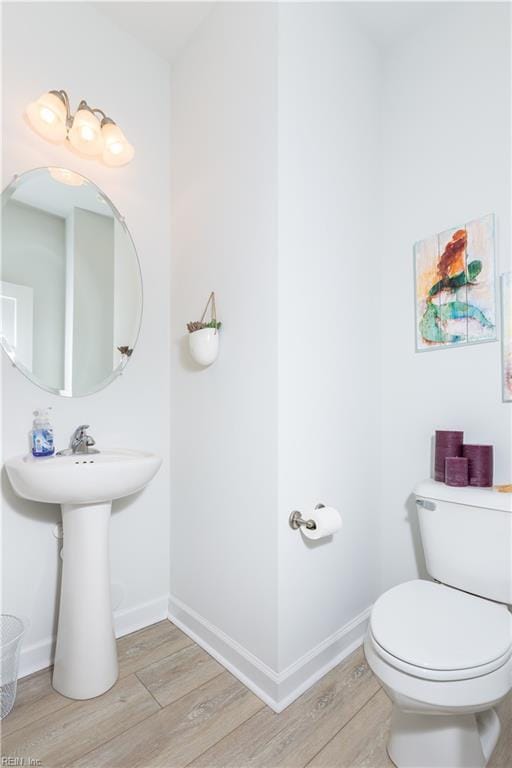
x: 174, y: 706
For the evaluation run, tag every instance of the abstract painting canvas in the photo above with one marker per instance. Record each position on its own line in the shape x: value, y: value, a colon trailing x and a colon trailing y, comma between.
x: 506, y: 310
x: 455, y: 286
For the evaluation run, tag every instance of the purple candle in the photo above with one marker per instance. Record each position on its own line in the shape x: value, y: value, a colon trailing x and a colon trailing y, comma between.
x: 457, y: 471
x: 481, y: 464
x: 448, y: 444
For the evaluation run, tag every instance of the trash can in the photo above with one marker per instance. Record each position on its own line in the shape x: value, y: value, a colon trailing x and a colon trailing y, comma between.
x: 12, y: 630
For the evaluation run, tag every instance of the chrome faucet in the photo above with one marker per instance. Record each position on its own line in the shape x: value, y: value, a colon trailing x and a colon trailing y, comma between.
x: 80, y: 442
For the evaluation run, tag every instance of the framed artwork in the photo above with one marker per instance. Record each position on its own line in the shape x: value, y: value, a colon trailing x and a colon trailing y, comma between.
x: 455, y: 283
x: 506, y: 315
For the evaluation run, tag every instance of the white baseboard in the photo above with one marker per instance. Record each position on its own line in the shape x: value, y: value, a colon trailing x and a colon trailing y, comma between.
x: 40, y: 655
x: 277, y: 689
x: 36, y: 656
x: 143, y: 615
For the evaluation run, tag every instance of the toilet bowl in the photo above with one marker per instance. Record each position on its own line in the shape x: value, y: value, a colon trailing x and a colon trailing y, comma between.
x: 443, y: 649
x: 444, y: 657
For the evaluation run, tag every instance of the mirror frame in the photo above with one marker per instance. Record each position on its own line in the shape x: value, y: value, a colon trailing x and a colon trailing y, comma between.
x: 7, y: 194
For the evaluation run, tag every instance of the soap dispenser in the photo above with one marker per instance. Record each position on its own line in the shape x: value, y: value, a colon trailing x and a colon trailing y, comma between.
x: 42, y: 434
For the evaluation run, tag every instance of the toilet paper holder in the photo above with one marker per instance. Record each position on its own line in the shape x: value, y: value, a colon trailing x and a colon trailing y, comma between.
x: 296, y: 520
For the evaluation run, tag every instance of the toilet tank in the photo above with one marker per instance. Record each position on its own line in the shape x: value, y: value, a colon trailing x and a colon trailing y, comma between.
x: 467, y: 538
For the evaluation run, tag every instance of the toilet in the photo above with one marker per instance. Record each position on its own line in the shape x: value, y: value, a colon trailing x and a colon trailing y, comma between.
x: 442, y: 649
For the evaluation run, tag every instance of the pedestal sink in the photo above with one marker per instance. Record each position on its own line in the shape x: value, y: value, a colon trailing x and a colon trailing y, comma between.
x: 84, y: 485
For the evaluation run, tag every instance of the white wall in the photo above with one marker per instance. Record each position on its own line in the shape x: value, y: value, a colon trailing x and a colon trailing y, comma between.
x: 270, y: 205
x: 376, y: 147
x: 446, y: 160
x: 93, y: 60
x: 328, y: 337
x: 224, y: 418
x: 36, y: 243
x: 93, y: 299
x: 127, y: 293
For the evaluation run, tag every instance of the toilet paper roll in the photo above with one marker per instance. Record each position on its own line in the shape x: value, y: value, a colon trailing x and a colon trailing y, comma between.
x: 328, y: 521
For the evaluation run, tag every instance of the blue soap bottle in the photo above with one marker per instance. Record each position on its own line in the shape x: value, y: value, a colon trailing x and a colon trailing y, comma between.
x: 42, y: 434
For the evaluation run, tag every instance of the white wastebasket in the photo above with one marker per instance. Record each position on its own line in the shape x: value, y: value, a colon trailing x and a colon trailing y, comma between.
x: 12, y: 630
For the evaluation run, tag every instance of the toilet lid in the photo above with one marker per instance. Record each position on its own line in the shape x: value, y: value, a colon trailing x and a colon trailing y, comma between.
x: 437, y: 627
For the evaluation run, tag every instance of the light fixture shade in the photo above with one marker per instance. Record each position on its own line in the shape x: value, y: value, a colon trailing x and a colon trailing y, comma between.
x: 47, y: 116
x: 85, y: 134
x: 116, y: 149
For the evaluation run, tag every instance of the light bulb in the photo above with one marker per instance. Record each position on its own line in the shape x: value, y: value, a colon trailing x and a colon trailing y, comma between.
x: 117, y: 150
x: 85, y: 134
x: 65, y: 176
x: 47, y: 116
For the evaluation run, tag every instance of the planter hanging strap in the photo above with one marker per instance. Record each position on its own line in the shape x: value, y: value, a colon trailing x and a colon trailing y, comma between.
x: 211, y: 300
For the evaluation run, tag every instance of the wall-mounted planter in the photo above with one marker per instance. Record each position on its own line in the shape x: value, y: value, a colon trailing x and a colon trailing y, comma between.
x: 204, y: 345
x: 203, y: 340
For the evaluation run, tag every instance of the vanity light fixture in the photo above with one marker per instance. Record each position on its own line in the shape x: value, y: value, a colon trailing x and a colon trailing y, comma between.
x: 88, y: 135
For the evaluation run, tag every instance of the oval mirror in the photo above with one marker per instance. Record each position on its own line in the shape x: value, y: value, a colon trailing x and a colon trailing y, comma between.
x: 70, y: 282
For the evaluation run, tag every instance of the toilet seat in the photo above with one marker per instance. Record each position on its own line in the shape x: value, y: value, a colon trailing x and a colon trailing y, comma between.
x: 416, y: 692
x: 439, y: 674
x: 435, y: 632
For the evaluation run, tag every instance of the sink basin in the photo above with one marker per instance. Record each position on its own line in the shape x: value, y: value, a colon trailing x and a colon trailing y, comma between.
x: 84, y: 485
x: 82, y: 478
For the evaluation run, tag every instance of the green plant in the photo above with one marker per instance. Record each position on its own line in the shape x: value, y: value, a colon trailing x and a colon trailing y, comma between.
x: 198, y: 325
x: 214, y: 324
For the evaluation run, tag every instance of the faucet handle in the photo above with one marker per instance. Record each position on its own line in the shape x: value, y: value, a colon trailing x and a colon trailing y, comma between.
x: 80, y: 431
x: 80, y: 442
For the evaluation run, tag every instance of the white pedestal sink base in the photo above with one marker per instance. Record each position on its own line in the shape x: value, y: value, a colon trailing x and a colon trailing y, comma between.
x: 86, y: 655
x: 86, y: 658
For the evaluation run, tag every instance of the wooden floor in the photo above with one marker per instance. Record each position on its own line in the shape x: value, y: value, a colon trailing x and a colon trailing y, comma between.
x: 174, y: 706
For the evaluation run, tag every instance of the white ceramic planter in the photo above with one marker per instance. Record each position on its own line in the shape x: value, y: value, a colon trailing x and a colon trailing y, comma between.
x: 204, y: 345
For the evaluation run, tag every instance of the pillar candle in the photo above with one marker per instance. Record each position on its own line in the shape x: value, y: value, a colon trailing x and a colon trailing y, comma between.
x: 448, y: 444
x: 481, y: 464
x: 457, y: 471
